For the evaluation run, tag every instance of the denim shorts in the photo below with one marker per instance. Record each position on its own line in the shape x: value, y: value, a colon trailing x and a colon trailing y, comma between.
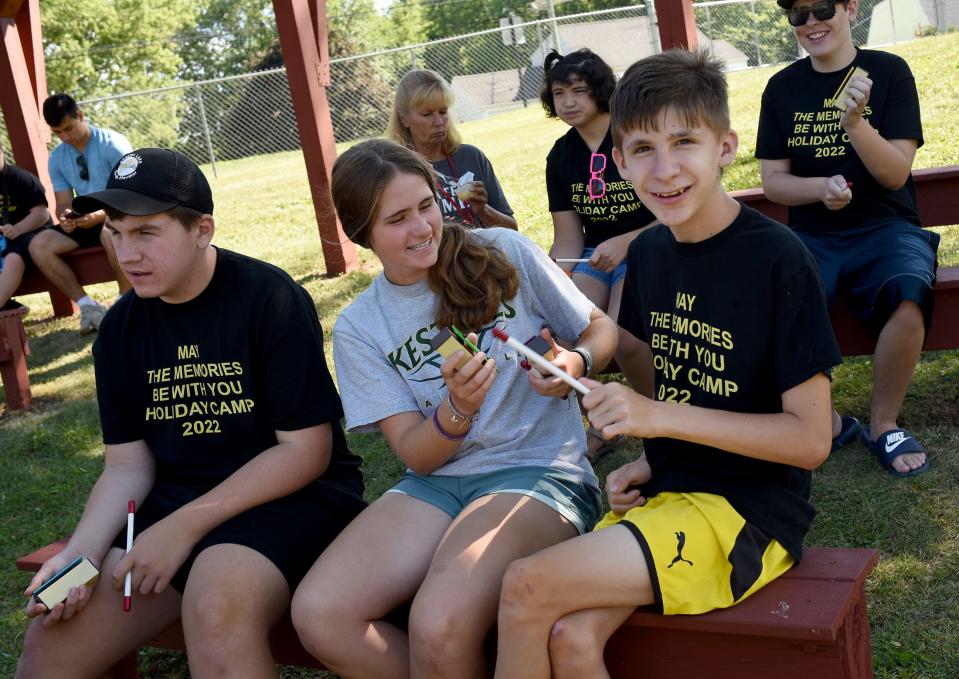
x: 576, y: 501
x: 607, y: 279
x: 877, y: 266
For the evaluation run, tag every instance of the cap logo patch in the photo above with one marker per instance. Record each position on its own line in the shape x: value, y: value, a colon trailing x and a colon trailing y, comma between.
x: 127, y: 166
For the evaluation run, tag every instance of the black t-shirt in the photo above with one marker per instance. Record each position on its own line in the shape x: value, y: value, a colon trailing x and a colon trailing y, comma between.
x: 567, y: 186
x: 797, y: 121
x: 207, y: 382
x: 733, y: 322
x: 20, y: 192
x: 467, y: 158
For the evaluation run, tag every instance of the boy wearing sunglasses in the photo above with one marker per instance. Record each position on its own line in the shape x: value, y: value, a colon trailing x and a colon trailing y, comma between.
x: 838, y: 132
x: 81, y: 164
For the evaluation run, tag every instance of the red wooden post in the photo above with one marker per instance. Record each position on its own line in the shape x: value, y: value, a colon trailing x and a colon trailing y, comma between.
x: 302, y: 28
x: 677, y: 24
x: 25, y: 84
x: 13, y: 359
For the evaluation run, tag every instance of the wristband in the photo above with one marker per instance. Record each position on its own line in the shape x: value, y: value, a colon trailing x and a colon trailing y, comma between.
x: 587, y: 360
x: 455, y: 415
x: 445, y: 434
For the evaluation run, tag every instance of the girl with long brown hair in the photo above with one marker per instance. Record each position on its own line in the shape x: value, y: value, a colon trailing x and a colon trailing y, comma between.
x: 495, y: 456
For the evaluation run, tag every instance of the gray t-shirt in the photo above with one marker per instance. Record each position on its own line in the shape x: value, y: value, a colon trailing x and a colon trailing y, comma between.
x: 385, y: 365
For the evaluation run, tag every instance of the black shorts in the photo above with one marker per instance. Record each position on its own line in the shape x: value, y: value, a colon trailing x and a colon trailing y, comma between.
x: 84, y: 238
x: 291, y: 532
x: 20, y: 246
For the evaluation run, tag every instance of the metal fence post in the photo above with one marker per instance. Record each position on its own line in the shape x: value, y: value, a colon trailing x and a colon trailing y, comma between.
x: 892, y: 20
x: 752, y: 10
x: 206, y: 130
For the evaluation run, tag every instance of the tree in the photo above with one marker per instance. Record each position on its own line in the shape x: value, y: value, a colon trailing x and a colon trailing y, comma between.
x: 96, y: 48
x: 230, y: 37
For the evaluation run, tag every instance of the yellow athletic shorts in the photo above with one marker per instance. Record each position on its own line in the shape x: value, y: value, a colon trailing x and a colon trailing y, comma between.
x: 701, y: 553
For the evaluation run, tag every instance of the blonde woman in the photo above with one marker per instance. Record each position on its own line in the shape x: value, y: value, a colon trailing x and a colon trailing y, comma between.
x: 420, y: 121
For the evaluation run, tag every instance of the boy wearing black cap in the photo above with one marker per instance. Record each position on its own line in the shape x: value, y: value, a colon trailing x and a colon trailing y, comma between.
x: 838, y: 132
x: 220, y: 420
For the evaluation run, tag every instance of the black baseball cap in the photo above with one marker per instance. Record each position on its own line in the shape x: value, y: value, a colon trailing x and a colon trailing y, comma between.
x: 148, y: 181
x: 785, y: 4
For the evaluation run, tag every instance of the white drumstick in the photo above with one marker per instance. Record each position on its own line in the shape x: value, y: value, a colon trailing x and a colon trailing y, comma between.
x: 541, y: 362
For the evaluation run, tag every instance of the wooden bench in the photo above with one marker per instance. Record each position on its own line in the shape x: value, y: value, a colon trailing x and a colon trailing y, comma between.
x: 937, y: 191
x: 810, y: 623
x: 812, y: 619
x: 13, y: 358
x: 89, y: 264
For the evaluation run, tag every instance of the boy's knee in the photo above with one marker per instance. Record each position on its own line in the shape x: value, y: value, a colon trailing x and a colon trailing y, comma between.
x: 522, y: 585
x: 40, y: 246
x: 40, y: 659
x: 573, y: 648
x: 14, y: 263
x: 210, y: 617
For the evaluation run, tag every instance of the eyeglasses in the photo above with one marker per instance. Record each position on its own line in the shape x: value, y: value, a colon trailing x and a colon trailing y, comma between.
x: 84, y: 170
x: 823, y: 11
x: 597, y: 187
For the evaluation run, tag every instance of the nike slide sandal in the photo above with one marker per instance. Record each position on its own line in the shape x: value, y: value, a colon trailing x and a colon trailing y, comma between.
x: 891, y: 445
x: 847, y: 433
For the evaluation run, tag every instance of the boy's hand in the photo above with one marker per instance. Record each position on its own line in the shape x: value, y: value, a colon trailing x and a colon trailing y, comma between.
x: 157, y: 554
x: 622, y: 485
x: 616, y: 410
x: 76, y: 599
x: 468, y: 385
x: 548, y: 384
x: 9, y: 231
x: 836, y: 192
x: 857, y: 96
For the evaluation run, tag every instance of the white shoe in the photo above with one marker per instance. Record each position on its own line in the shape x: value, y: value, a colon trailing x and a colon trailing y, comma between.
x: 90, y: 317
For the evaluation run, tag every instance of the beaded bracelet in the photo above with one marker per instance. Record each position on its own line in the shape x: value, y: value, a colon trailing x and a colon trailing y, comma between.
x: 445, y: 434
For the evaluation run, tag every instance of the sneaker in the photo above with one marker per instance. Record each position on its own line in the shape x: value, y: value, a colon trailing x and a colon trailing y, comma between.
x: 90, y: 317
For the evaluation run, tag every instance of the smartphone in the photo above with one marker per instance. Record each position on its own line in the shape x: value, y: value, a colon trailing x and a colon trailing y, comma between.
x: 80, y: 571
x: 70, y: 214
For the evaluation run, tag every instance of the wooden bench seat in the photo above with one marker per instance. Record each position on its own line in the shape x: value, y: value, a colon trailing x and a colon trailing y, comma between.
x: 937, y: 191
x: 811, y: 620
x: 89, y: 264
x: 809, y: 624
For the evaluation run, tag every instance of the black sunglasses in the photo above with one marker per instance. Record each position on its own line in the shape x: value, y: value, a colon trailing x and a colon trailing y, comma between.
x: 84, y: 171
x: 823, y: 11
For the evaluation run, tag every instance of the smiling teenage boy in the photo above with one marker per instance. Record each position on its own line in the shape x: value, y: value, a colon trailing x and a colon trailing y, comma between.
x: 220, y: 420
x: 841, y: 159
x: 730, y: 306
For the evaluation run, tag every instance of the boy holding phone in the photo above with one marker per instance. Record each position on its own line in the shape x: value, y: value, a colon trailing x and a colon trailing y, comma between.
x: 729, y: 305
x: 221, y: 423
x: 80, y: 164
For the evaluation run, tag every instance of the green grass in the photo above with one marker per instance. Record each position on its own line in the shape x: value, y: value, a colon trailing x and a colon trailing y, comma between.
x: 50, y: 456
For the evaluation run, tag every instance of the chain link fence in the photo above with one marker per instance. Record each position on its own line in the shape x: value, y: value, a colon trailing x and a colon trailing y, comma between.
x: 490, y: 71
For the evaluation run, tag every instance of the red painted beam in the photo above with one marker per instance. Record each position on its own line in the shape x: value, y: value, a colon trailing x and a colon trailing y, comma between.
x: 677, y: 24
x: 300, y: 23
x: 22, y: 73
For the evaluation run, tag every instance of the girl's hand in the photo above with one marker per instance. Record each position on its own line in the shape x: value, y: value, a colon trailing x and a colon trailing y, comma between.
x: 469, y: 385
